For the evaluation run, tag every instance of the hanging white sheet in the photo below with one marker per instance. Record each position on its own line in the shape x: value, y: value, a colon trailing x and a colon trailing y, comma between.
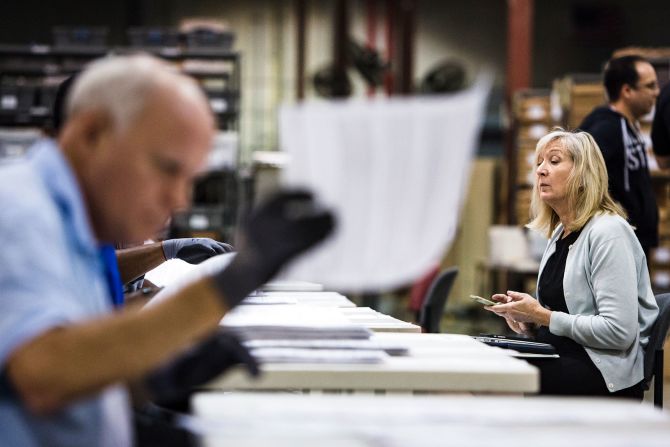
x: 394, y: 170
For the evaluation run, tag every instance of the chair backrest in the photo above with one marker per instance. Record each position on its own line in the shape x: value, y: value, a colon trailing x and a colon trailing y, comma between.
x: 419, y: 292
x: 436, y: 300
x: 657, y: 336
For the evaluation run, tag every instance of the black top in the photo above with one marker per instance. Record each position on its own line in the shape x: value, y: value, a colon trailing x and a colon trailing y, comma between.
x: 552, y: 296
x: 551, y: 280
x: 660, y: 129
x: 629, y: 181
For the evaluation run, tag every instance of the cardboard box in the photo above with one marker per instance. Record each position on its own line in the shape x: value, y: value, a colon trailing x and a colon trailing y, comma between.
x: 525, y: 167
x: 522, y: 205
x: 532, y: 132
x: 532, y: 106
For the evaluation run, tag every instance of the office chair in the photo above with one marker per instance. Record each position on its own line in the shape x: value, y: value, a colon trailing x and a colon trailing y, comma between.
x: 419, y: 291
x: 653, y: 355
x: 436, y: 299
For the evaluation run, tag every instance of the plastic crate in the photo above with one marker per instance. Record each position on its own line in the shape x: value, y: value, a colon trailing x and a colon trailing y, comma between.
x: 204, y: 38
x: 80, y: 36
x: 153, y: 37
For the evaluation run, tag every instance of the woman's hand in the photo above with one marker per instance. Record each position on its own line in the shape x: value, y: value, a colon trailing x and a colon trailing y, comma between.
x: 520, y: 308
x: 527, y: 329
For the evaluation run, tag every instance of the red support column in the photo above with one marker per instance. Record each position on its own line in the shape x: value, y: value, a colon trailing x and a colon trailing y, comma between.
x: 371, y: 7
x: 518, y: 76
x: 301, y: 30
x: 389, y: 35
x: 407, y: 19
x: 519, y: 44
x: 340, y: 49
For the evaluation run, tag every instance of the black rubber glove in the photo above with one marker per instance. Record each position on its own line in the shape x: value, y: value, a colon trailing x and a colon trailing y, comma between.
x: 283, y: 227
x: 195, y: 249
x: 172, y: 384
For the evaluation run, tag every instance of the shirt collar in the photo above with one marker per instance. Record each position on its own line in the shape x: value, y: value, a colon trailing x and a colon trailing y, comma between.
x: 61, y: 183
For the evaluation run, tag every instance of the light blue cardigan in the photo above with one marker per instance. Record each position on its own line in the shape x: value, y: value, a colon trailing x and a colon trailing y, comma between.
x: 609, y: 297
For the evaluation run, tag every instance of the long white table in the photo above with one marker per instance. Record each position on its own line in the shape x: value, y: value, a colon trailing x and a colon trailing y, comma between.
x: 282, y: 420
x: 436, y: 363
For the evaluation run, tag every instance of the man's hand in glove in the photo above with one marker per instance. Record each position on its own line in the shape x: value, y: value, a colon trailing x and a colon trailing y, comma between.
x: 172, y: 384
x: 194, y: 250
x: 279, y: 230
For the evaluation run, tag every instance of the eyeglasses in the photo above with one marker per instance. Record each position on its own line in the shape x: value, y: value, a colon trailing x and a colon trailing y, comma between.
x: 653, y: 85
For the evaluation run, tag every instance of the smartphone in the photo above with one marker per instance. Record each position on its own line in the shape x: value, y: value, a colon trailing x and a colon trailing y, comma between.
x: 483, y: 301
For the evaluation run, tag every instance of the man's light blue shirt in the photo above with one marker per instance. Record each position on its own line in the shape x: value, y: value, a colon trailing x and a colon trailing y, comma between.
x: 51, y: 275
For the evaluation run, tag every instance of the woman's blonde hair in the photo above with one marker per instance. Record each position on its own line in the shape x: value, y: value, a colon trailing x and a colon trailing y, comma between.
x: 586, y: 187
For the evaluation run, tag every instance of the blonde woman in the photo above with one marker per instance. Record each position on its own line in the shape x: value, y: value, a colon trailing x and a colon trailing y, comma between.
x: 594, y: 299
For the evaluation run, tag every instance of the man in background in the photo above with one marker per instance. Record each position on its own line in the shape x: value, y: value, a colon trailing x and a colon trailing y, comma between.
x: 632, y: 89
x: 660, y: 129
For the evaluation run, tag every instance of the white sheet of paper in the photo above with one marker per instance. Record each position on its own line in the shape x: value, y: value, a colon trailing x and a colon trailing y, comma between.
x: 394, y: 170
x: 175, y: 274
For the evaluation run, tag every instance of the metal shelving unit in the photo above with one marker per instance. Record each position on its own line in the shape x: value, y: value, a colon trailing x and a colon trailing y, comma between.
x: 31, y: 74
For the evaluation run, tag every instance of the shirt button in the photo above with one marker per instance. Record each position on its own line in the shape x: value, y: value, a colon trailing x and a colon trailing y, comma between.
x: 611, y: 385
x: 597, y: 360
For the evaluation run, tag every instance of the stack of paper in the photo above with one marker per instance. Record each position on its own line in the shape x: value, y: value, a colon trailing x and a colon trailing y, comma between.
x: 292, y: 286
x: 300, y: 355
x: 273, y: 330
x: 390, y: 348
x: 269, y: 299
x: 291, y: 322
x: 326, y: 299
x: 301, y: 334
x: 324, y: 350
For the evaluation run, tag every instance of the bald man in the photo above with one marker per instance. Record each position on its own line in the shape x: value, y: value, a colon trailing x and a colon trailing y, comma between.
x: 136, y: 137
x: 134, y: 260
